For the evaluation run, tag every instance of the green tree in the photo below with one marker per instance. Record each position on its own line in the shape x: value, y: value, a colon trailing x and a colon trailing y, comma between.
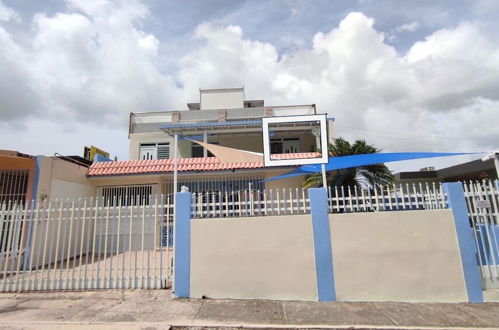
x: 361, y: 176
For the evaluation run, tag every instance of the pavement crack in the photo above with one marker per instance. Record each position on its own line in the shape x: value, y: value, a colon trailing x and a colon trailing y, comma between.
x: 284, y: 313
x: 203, y: 302
x: 104, y: 310
x: 472, y: 314
x: 386, y: 315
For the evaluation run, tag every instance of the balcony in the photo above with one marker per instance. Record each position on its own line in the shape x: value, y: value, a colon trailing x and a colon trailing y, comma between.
x: 151, y: 121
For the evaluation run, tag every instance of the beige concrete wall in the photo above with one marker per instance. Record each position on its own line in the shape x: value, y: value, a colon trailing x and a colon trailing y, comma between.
x: 249, y: 141
x: 62, y: 179
x: 222, y: 99
x: 260, y: 258
x: 408, y: 256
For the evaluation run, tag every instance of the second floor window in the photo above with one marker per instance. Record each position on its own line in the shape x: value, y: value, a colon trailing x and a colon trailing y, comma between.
x: 148, y: 151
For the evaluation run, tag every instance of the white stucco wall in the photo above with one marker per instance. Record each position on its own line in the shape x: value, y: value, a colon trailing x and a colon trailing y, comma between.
x: 253, y: 258
x: 59, y: 178
x: 410, y: 256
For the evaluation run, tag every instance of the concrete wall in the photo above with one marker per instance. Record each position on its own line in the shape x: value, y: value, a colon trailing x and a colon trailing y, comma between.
x: 59, y: 178
x: 264, y: 257
x: 397, y: 256
x: 410, y: 256
x: 222, y: 99
x: 249, y: 141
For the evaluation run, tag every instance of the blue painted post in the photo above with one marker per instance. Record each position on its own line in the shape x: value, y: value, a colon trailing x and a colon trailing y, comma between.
x: 34, y: 190
x: 181, y: 242
x: 322, y: 244
x: 456, y: 202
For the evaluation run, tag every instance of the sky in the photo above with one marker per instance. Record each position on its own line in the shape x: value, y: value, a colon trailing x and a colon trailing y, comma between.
x: 403, y: 75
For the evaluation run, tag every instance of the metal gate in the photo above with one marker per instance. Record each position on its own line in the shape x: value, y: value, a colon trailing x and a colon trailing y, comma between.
x: 482, y: 200
x: 112, y: 243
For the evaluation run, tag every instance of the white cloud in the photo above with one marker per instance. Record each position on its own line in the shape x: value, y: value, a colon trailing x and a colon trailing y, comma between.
x: 90, y: 66
x: 426, y: 99
x: 8, y: 14
x: 409, y: 27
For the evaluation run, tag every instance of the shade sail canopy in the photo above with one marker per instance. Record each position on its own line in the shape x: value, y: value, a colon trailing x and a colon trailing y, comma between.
x: 342, y: 162
x: 231, y: 155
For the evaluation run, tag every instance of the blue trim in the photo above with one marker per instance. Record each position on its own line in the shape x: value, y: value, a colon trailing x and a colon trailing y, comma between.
x: 34, y: 190
x: 100, y: 158
x: 194, y: 137
x: 181, y: 242
x: 456, y: 202
x: 213, y: 124
x: 322, y: 245
x: 36, y: 175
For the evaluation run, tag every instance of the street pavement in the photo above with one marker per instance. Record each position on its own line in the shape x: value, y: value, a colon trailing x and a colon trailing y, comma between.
x: 157, y: 309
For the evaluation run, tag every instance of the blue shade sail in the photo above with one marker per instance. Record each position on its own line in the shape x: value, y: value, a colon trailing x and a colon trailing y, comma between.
x: 341, y: 162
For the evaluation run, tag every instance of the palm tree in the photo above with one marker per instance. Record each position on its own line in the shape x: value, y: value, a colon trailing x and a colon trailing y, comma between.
x: 361, y: 176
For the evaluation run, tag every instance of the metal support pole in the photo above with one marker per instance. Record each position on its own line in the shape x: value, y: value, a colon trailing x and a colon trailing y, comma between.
x: 205, y: 140
x: 324, y: 181
x: 175, y: 164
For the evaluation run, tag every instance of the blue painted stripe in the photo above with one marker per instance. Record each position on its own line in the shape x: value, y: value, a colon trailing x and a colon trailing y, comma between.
x: 36, y: 176
x: 322, y: 245
x: 34, y: 190
x: 181, y: 242
x: 457, y: 203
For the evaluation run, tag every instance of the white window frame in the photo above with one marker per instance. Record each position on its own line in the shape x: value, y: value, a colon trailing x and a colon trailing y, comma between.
x: 155, y: 146
x: 268, y: 162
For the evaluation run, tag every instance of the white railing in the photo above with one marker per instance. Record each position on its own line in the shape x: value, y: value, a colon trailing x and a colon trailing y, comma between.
x: 482, y: 199
x: 288, y: 201
x: 415, y: 196
x: 86, y: 244
x: 249, y: 203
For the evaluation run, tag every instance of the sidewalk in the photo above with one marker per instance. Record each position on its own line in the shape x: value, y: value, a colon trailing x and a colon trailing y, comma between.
x: 157, y: 309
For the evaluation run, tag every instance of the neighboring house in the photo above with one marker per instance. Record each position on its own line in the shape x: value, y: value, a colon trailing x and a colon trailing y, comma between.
x: 24, y: 177
x: 223, y: 117
x: 474, y: 170
x: 17, y: 173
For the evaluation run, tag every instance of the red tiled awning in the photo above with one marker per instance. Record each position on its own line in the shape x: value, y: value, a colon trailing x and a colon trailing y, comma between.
x: 166, y: 165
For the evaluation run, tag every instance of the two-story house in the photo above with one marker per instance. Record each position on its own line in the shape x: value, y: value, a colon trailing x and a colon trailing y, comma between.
x: 223, y: 117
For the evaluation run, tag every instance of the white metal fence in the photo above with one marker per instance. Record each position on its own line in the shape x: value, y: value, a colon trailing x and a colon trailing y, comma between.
x: 249, y: 203
x: 482, y: 199
x: 126, y: 242
x: 86, y: 244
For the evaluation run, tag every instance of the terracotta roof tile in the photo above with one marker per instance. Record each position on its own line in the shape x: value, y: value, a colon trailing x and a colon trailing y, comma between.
x: 184, y: 165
